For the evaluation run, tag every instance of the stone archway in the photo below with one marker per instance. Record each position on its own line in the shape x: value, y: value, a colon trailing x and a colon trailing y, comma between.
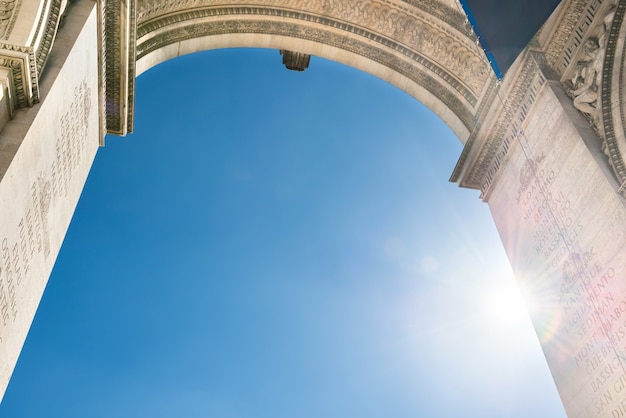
x: 545, y: 147
x: 424, y: 48
x: 215, y: 129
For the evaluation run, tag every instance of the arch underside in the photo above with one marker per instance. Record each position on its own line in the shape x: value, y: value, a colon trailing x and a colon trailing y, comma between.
x: 424, y: 48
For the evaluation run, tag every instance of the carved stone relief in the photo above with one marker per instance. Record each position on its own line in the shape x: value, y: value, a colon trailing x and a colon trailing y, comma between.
x: 438, y: 46
x: 26, y: 62
x: 574, y: 23
x: 585, y: 82
x: 590, y: 68
x: 513, y: 105
x: 404, y: 67
x: 8, y: 13
x: 451, y: 47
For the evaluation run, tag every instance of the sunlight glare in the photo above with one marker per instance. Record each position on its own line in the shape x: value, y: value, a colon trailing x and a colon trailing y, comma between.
x: 505, y: 304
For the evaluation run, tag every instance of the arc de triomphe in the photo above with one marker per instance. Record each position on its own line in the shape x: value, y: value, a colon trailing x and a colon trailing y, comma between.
x: 545, y: 146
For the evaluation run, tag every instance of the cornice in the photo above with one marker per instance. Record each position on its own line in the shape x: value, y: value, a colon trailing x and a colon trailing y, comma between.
x: 18, y: 61
x: 490, y: 96
x: 119, y: 59
x: 49, y: 33
x: 26, y: 62
x: 496, y: 137
x: 572, y: 29
x: 509, y: 127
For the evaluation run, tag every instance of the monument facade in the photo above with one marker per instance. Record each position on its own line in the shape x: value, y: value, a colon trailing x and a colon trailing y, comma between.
x: 545, y: 145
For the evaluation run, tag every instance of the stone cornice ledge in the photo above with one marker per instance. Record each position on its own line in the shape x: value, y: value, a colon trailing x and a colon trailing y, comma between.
x: 119, y: 60
x: 26, y: 62
x: 488, y: 146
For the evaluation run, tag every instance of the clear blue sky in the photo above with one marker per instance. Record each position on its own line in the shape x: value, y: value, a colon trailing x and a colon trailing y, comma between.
x: 273, y: 244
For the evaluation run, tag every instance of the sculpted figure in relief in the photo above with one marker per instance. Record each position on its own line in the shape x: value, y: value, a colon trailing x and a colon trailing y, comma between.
x: 586, y: 79
x: 588, y: 76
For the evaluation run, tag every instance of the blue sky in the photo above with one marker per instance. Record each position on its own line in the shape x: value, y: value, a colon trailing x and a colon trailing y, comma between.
x: 279, y: 244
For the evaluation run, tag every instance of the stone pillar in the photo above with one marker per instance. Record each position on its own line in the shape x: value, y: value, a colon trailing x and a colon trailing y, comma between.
x: 43, y: 179
x: 555, y: 201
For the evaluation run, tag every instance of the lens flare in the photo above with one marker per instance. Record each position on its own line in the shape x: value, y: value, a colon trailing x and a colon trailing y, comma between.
x: 505, y: 304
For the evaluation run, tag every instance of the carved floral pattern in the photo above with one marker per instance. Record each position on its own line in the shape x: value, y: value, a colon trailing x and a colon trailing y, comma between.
x: 403, y: 67
x: 8, y: 11
x: 450, y: 47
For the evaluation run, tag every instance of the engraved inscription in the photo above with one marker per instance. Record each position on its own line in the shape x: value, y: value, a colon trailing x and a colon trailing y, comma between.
x: 590, y: 304
x: 19, y: 251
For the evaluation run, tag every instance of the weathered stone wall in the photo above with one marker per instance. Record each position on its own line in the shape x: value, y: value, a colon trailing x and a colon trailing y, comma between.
x: 46, y: 153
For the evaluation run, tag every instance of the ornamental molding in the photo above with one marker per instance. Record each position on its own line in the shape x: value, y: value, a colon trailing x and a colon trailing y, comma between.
x: 568, y: 36
x: 509, y: 127
x: 420, y: 74
x: 48, y: 25
x: 436, y: 13
x: 118, y: 64
x: 9, y: 9
x: 26, y: 62
x: 427, y: 42
x: 613, y: 96
x: 428, y: 28
x: 512, y: 107
x: 20, y: 62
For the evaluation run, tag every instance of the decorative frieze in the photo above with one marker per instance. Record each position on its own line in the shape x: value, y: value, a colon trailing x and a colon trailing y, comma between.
x: 509, y: 127
x: 443, y: 37
x: 26, y: 62
x: 9, y: 10
x: 571, y: 32
x: 421, y: 74
x: 512, y: 108
x: 119, y: 41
